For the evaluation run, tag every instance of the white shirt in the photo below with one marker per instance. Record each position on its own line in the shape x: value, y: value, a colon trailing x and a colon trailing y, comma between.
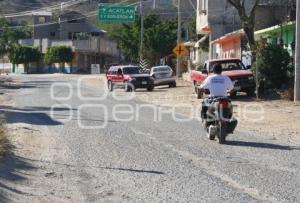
x: 217, y: 85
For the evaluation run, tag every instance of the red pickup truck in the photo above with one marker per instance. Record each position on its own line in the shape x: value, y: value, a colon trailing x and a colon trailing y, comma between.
x: 234, y: 69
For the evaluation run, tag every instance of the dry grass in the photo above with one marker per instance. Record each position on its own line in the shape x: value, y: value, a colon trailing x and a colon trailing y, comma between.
x: 288, y: 94
x: 4, y: 143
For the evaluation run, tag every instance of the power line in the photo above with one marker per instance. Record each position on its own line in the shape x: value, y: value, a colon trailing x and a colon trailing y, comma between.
x: 95, y: 12
x: 90, y: 14
x: 48, y: 8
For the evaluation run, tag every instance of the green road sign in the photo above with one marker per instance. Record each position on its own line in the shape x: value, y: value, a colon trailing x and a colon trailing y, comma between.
x: 117, y: 14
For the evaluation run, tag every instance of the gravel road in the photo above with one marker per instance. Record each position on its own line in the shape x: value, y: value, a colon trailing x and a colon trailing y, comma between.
x: 59, y: 154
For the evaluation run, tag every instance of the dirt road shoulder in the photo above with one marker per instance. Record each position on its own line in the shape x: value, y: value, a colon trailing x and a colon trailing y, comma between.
x: 276, y: 119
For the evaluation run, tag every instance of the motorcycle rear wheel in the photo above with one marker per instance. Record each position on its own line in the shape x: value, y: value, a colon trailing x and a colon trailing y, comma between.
x: 222, y: 132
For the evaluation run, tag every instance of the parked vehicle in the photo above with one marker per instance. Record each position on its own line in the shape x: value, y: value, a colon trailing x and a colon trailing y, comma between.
x: 163, y: 75
x: 241, y: 76
x: 128, y: 77
x: 219, y: 121
x: 107, y: 66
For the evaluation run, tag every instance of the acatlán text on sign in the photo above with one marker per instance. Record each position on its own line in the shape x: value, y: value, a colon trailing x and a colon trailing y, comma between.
x: 118, y: 14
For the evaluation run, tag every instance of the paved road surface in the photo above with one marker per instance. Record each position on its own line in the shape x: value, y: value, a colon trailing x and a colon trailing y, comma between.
x: 135, y: 161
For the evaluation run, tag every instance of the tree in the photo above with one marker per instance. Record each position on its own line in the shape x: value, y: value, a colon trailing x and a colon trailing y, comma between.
x: 9, y: 36
x: 247, y: 20
x: 274, y: 64
x: 59, y: 54
x: 192, y: 29
x: 23, y: 55
x: 159, y: 38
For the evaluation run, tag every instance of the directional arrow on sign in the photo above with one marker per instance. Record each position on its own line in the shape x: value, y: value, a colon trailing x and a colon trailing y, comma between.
x: 117, y: 14
x: 180, y: 50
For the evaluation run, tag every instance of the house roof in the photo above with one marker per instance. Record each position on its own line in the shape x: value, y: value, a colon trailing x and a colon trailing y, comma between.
x: 275, y: 29
x: 222, y: 59
x: 74, y: 15
x: 42, y: 13
x: 237, y: 34
x: 93, y: 28
x: 197, y: 45
x: 189, y: 44
x: 229, y: 37
x: 70, y: 15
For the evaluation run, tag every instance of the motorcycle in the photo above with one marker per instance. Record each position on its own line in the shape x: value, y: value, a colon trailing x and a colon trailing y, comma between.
x: 219, y: 121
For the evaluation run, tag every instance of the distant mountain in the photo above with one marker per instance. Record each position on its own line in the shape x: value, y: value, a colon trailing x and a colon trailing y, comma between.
x: 165, y: 8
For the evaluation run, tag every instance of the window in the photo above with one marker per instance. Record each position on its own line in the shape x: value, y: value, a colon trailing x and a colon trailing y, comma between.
x: 131, y: 70
x: 70, y: 35
x: 74, y: 21
x: 162, y: 69
x: 52, y: 34
x: 228, y: 65
x: 95, y: 34
x: 42, y: 20
x: 112, y: 71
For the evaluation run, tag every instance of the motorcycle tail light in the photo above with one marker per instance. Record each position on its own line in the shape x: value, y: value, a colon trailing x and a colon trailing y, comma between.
x: 224, y: 104
x: 211, y: 109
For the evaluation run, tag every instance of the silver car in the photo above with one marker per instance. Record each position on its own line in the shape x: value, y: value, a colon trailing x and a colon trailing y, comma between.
x: 163, y: 75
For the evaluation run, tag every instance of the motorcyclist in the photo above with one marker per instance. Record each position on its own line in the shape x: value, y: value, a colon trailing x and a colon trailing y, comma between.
x: 218, y: 86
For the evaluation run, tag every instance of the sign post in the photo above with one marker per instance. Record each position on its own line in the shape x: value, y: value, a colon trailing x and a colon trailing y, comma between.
x: 116, y: 14
x: 179, y: 32
x: 297, y: 56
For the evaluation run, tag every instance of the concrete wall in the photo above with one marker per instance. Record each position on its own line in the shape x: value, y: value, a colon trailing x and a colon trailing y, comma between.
x: 202, y: 18
x: 230, y: 49
x: 223, y: 18
x: 6, y: 68
x: 83, y: 27
x: 45, y: 31
x: 87, y: 52
x: 268, y: 16
x: 69, y: 22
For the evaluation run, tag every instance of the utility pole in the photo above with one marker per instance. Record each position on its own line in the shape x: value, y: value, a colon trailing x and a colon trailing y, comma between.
x: 142, y: 30
x: 59, y: 19
x: 297, y: 55
x: 256, y: 78
x: 33, y: 26
x: 154, y: 4
x: 178, y: 38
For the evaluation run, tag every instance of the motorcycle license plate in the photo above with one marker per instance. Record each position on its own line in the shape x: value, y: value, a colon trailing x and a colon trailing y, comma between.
x: 144, y: 83
x: 237, y: 88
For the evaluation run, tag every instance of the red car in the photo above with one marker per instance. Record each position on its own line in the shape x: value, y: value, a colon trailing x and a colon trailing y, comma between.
x: 242, y: 77
x: 128, y: 77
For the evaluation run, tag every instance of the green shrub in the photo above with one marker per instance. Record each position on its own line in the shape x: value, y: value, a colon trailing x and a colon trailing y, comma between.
x: 23, y: 55
x: 273, y: 63
x: 58, y: 54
